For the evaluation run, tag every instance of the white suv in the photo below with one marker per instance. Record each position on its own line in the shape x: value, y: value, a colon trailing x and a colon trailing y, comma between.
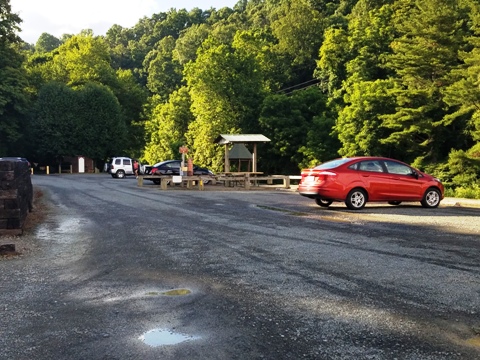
x: 120, y: 167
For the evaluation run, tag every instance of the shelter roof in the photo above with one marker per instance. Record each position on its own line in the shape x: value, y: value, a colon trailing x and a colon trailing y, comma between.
x: 223, y: 139
x: 239, y: 151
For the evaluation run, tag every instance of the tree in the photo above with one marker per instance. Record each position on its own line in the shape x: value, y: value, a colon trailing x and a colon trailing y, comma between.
x: 300, y: 128
x: 164, y: 73
x: 431, y: 36
x: 167, y: 126
x: 81, y: 59
x: 103, y: 129
x: 56, y: 125
x: 464, y: 92
x: 9, y: 23
x: 225, y: 86
x: 84, y: 121
x: 298, y: 28
x: 47, y: 43
x: 13, y: 99
x: 366, y: 86
x: 189, y: 41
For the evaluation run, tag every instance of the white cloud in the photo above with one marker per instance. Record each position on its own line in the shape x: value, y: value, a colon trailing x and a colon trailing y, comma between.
x: 58, y: 17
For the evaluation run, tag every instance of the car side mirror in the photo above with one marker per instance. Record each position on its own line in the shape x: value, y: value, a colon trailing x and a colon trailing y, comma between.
x: 415, y: 174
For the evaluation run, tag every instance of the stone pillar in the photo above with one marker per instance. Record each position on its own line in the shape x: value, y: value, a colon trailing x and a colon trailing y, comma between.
x: 16, y: 194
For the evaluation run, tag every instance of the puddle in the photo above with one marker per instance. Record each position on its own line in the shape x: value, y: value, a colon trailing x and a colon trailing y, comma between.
x: 161, y: 337
x: 475, y: 341
x: 174, y: 292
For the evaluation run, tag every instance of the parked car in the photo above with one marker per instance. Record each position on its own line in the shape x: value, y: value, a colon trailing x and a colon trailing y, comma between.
x: 172, y: 167
x: 119, y: 167
x: 145, y: 168
x: 15, y: 158
x: 359, y: 180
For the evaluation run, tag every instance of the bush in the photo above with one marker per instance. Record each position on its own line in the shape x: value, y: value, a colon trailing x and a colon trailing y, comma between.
x: 466, y: 192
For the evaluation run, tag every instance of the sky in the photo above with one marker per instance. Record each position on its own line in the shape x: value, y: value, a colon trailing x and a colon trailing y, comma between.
x: 58, y: 17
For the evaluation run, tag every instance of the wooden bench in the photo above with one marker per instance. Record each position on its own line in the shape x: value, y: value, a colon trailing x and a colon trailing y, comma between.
x: 169, y: 179
x: 248, y: 178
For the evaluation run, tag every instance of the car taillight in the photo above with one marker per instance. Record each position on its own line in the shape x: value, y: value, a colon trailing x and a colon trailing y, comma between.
x: 313, y: 177
x: 324, y: 176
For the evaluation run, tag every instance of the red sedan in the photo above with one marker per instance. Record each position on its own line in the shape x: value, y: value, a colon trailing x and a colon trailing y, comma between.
x: 359, y: 180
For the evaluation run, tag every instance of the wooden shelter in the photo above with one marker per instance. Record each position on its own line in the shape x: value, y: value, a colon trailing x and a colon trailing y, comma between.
x: 240, y: 153
x: 228, y: 139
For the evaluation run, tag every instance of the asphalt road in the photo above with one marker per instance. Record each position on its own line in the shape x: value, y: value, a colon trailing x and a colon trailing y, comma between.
x: 257, y: 275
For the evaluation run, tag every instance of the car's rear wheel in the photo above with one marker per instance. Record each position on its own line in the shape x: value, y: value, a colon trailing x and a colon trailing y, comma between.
x: 356, y: 199
x: 120, y: 174
x: 323, y: 202
x: 394, y: 202
x: 431, y: 198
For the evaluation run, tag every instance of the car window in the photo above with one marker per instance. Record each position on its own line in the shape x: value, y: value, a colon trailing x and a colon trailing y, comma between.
x: 394, y: 167
x: 370, y: 165
x: 174, y: 165
x: 332, y: 164
x: 127, y: 162
x: 118, y: 161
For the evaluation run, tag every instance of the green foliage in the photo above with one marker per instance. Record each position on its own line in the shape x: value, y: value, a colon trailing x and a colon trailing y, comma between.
x: 226, y: 90
x: 86, y: 121
x: 470, y: 192
x: 300, y: 129
x: 47, y: 43
x: 298, y: 27
x: 167, y: 126
x: 431, y: 35
x: 82, y: 59
x: 9, y: 24
x: 164, y: 73
x: 189, y: 41
x: 14, y: 102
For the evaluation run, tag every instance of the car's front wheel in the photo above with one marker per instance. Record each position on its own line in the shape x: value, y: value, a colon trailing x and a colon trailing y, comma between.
x: 323, y: 202
x: 356, y: 199
x: 431, y: 198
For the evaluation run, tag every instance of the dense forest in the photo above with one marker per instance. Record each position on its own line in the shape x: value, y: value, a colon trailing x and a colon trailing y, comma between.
x: 321, y: 79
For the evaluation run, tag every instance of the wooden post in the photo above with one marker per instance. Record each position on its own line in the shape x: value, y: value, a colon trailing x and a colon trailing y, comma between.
x: 247, y: 182
x: 140, y: 181
x: 254, y: 165
x: 227, y: 159
x: 163, y: 184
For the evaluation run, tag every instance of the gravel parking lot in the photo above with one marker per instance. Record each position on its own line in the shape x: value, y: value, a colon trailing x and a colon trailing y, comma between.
x: 262, y: 274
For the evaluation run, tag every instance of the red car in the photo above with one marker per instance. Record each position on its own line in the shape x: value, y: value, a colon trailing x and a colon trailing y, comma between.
x: 359, y: 180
